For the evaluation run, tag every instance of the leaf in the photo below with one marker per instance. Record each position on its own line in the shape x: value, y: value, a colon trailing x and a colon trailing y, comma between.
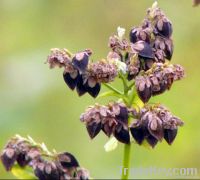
x: 108, y: 94
x: 111, y: 145
x: 22, y: 173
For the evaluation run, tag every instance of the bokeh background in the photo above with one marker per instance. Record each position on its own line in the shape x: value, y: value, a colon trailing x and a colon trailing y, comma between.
x: 34, y: 100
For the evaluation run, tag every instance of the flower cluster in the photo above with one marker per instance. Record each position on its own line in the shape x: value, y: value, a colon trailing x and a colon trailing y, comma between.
x: 157, y: 80
x: 148, y: 53
x: 151, y: 42
x: 155, y: 123
x: 111, y: 119
x: 151, y: 123
x: 80, y: 73
x: 144, y: 59
x: 45, y: 165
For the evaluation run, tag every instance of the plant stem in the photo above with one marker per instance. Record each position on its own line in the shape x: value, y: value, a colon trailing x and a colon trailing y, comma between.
x: 126, y: 161
x: 112, y: 88
x: 126, y: 88
x: 127, y: 147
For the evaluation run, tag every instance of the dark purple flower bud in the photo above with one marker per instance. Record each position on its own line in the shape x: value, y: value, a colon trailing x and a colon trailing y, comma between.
x: 151, y: 140
x: 170, y: 135
x: 71, y: 79
x: 39, y: 171
x: 143, y: 49
x: 8, y: 158
x: 81, y: 86
x: 51, y: 171
x: 138, y: 134
x: 22, y: 159
x: 164, y: 27
x: 93, y: 88
x: 137, y: 34
x: 121, y: 133
x: 143, y: 86
x: 93, y: 128
x: 80, y: 61
x: 163, y: 48
x: 67, y: 160
x: 122, y: 117
x: 108, y: 125
x: 155, y: 127
x: 169, y: 49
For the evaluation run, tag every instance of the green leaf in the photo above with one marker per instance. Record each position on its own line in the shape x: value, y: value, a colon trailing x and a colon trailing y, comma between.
x: 22, y: 173
x: 108, y: 94
x: 111, y: 145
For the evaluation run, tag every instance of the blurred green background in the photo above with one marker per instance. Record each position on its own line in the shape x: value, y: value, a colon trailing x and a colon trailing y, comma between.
x: 34, y: 100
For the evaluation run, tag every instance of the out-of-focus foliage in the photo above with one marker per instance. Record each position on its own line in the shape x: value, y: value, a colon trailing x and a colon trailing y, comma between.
x: 35, y: 100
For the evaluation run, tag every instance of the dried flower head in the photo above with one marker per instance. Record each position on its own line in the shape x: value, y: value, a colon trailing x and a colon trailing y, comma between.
x: 155, y: 123
x: 26, y: 152
x: 58, y: 57
x: 111, y: 119
x: 157, y: 80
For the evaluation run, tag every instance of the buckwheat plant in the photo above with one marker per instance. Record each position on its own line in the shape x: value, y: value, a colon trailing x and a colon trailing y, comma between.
x: 28, y: 160
x: 143, y: 64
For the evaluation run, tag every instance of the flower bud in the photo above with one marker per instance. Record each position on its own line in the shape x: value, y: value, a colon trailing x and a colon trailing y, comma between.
x: 81, y: 59
x: 143, y: 86
x: 8, y: 158
x: 143, y: 49
x: 67, y: 160
x: 58, y: 57
x: 137, y: 34
x: 163, y: 27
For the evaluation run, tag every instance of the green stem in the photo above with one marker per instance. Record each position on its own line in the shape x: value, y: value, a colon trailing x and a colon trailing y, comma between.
x: 126, y: 88
x: 126, y: 161
x: 112, y: 88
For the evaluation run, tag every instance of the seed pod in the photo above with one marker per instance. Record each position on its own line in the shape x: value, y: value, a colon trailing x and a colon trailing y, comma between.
x: 22, y: 159
x: 137, y: 34
x: 67, y: 160
x: 39, y: 171
x: 71, y: 79
x: 151, y: 140
x: 164, y: 27
x: 8, y: 158
x: 51, y: 171
x: 155, y: 127
x: 93, y: 129
x: 108, y: 125
x: 81, y: 86
x: 80, y: 61
x: 169, y: 49
x: 137, y: 133
x: 93, y: 88
x: 143, y: 86
x: 144, y: 50
x: 122, y: 134
x: 170, y: 135
x: 122, y: 117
